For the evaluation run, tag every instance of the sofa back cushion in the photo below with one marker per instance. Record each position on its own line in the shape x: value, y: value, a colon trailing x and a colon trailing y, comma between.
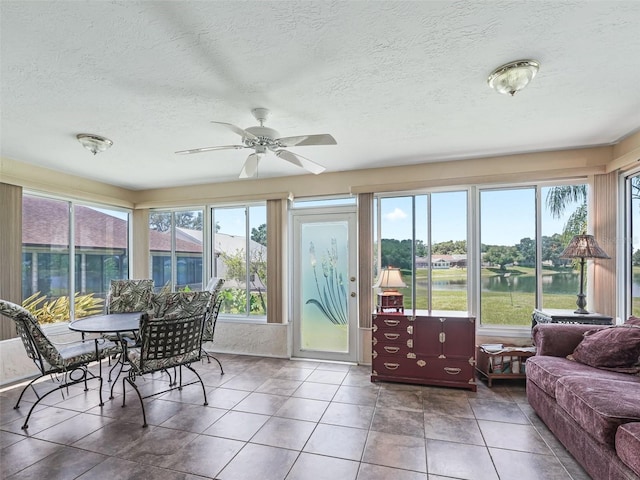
x: 633, y: 321
x: 613, y: 347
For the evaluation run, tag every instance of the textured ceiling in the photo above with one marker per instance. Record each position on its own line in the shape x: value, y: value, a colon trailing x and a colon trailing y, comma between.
x: 395, y: 83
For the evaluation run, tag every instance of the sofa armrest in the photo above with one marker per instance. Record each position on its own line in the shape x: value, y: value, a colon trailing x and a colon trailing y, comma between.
x: 559, y: 339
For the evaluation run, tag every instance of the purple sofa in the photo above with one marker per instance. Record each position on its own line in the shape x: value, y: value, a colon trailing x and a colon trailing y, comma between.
x: 594, y: 412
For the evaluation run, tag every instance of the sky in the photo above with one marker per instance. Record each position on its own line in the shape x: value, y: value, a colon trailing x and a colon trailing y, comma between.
x: 507, y: 217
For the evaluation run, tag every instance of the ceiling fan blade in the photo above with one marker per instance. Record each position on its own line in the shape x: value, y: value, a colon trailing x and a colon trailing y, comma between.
x: 301, y: 161
x: 302, y: 140
x: 210, y: 149
x: 250, y: 167
x: 240, y: 131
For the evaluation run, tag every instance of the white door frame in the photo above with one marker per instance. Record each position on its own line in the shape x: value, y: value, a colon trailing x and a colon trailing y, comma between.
x: 316, y: 215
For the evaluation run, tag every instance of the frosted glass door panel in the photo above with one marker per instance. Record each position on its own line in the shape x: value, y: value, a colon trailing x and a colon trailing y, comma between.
x: 324, y: 325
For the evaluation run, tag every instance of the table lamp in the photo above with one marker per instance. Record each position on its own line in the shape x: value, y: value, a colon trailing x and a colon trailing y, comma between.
x: 583, y: 247
x: 389, y: 281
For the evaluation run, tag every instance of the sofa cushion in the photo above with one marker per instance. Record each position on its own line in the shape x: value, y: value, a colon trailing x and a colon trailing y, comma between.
x: 633, y: 321
x: 612, y: 347
x: 599, y: 405
x: 628, y: 445
x: 545, y: 372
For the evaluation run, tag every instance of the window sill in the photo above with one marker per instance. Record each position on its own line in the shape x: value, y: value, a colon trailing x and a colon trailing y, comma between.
x: 502, y: 331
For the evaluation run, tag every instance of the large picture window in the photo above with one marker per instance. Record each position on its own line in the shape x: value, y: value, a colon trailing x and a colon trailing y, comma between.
x: 55, y: 268
x: 425, y: 236
x: 176, y: 247
x: 239, y: 244
x: 523, y: 231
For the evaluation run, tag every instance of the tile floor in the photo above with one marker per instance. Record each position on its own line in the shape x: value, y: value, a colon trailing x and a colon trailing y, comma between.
x: 274, y: 419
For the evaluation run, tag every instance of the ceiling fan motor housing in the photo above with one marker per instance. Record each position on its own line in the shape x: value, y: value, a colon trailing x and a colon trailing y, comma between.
x: 266, y: 137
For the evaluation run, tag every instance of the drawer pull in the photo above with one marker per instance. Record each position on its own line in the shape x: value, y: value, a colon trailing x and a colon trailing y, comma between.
x: 391, y: 336
x: 391, y: 323
x: 391, y: 349
x: 391, y: 366
x: 452, y: 371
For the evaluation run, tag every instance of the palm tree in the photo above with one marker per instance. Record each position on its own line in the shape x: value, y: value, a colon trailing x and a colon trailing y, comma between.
x: 560, y: 198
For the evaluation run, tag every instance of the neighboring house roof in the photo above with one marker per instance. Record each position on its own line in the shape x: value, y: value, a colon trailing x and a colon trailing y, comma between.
x: 46, y: 222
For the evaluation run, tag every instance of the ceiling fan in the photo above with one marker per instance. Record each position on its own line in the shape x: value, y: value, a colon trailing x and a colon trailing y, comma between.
x: 264, y: 140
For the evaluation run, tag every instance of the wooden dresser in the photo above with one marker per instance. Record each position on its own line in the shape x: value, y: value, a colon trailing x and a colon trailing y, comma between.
x: 424, y: 347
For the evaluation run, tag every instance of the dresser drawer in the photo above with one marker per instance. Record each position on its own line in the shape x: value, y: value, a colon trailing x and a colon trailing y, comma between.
x: 394, y: 366
x: 392, y: 349
x: 396, y: 338
x: 382, y: 322
x: 448, y: 370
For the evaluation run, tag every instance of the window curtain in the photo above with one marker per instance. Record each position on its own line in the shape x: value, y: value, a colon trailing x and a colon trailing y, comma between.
x: 276, y: 272
x: 605, y: 190
x: 140, y: 265
x: 365, y: 258
x: 10, y: 251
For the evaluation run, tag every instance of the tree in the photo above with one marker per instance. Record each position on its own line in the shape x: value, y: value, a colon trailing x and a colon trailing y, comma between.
x: 501, y: 255
x: 260, y: 234
x: 527, y: 252
x: 562, y: 197
x: 421, y: 249
x: 552, y: 247
x: 160, y: 221
x: 397, y: 253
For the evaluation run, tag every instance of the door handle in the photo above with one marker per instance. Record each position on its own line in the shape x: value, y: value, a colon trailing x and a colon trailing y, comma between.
x: 353, y: 294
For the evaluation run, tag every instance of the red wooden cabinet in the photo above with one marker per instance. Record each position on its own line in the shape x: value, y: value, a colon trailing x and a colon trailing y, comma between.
x: 428, y: 348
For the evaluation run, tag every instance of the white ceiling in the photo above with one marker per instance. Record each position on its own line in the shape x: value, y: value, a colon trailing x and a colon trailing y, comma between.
x: 394, y: 82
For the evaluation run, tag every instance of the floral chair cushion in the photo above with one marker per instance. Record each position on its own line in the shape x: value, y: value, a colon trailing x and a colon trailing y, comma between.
x: 129, y: 296
x: 179, y: 304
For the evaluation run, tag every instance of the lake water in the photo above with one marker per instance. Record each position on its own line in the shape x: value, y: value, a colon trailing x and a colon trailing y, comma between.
x: 559, y: 283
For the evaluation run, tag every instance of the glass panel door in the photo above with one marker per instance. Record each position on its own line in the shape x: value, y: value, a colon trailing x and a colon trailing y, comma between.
x: 325, y: 302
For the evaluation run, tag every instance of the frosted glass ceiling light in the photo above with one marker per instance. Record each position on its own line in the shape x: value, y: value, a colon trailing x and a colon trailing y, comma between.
x: 94, y: 143
x: 513, y: 76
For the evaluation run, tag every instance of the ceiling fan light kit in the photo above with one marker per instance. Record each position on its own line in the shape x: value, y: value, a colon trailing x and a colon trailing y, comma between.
x: 94, y: 143
x: 513, y: 76
x: 264, y: 140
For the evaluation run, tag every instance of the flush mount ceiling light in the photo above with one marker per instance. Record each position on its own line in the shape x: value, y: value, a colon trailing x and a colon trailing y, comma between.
x: 513, y: 76
x: 94, y: 143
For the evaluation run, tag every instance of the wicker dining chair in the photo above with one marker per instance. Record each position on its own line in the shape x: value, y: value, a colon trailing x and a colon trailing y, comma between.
x: 165, y: 342
x: 67, y: 365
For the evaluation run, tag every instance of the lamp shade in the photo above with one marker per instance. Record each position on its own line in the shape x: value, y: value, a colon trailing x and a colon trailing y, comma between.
x: 583, y: 246
x: 389, y: 278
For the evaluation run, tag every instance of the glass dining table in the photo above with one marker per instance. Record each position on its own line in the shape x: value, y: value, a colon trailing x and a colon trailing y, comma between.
x: 116, y: 325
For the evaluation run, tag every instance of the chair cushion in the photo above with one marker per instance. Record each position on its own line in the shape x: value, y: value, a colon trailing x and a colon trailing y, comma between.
x: 179, y: 304
x: 599, y: 405
x: 129, y: 296
x: 84, y: 352
x: 628, y: 445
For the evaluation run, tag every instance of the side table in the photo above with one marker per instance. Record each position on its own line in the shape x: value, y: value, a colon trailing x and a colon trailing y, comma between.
x: 549, y: 315
x: 502, y: 363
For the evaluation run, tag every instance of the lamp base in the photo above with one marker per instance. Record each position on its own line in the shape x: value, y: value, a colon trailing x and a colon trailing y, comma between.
x: 581, y: 303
